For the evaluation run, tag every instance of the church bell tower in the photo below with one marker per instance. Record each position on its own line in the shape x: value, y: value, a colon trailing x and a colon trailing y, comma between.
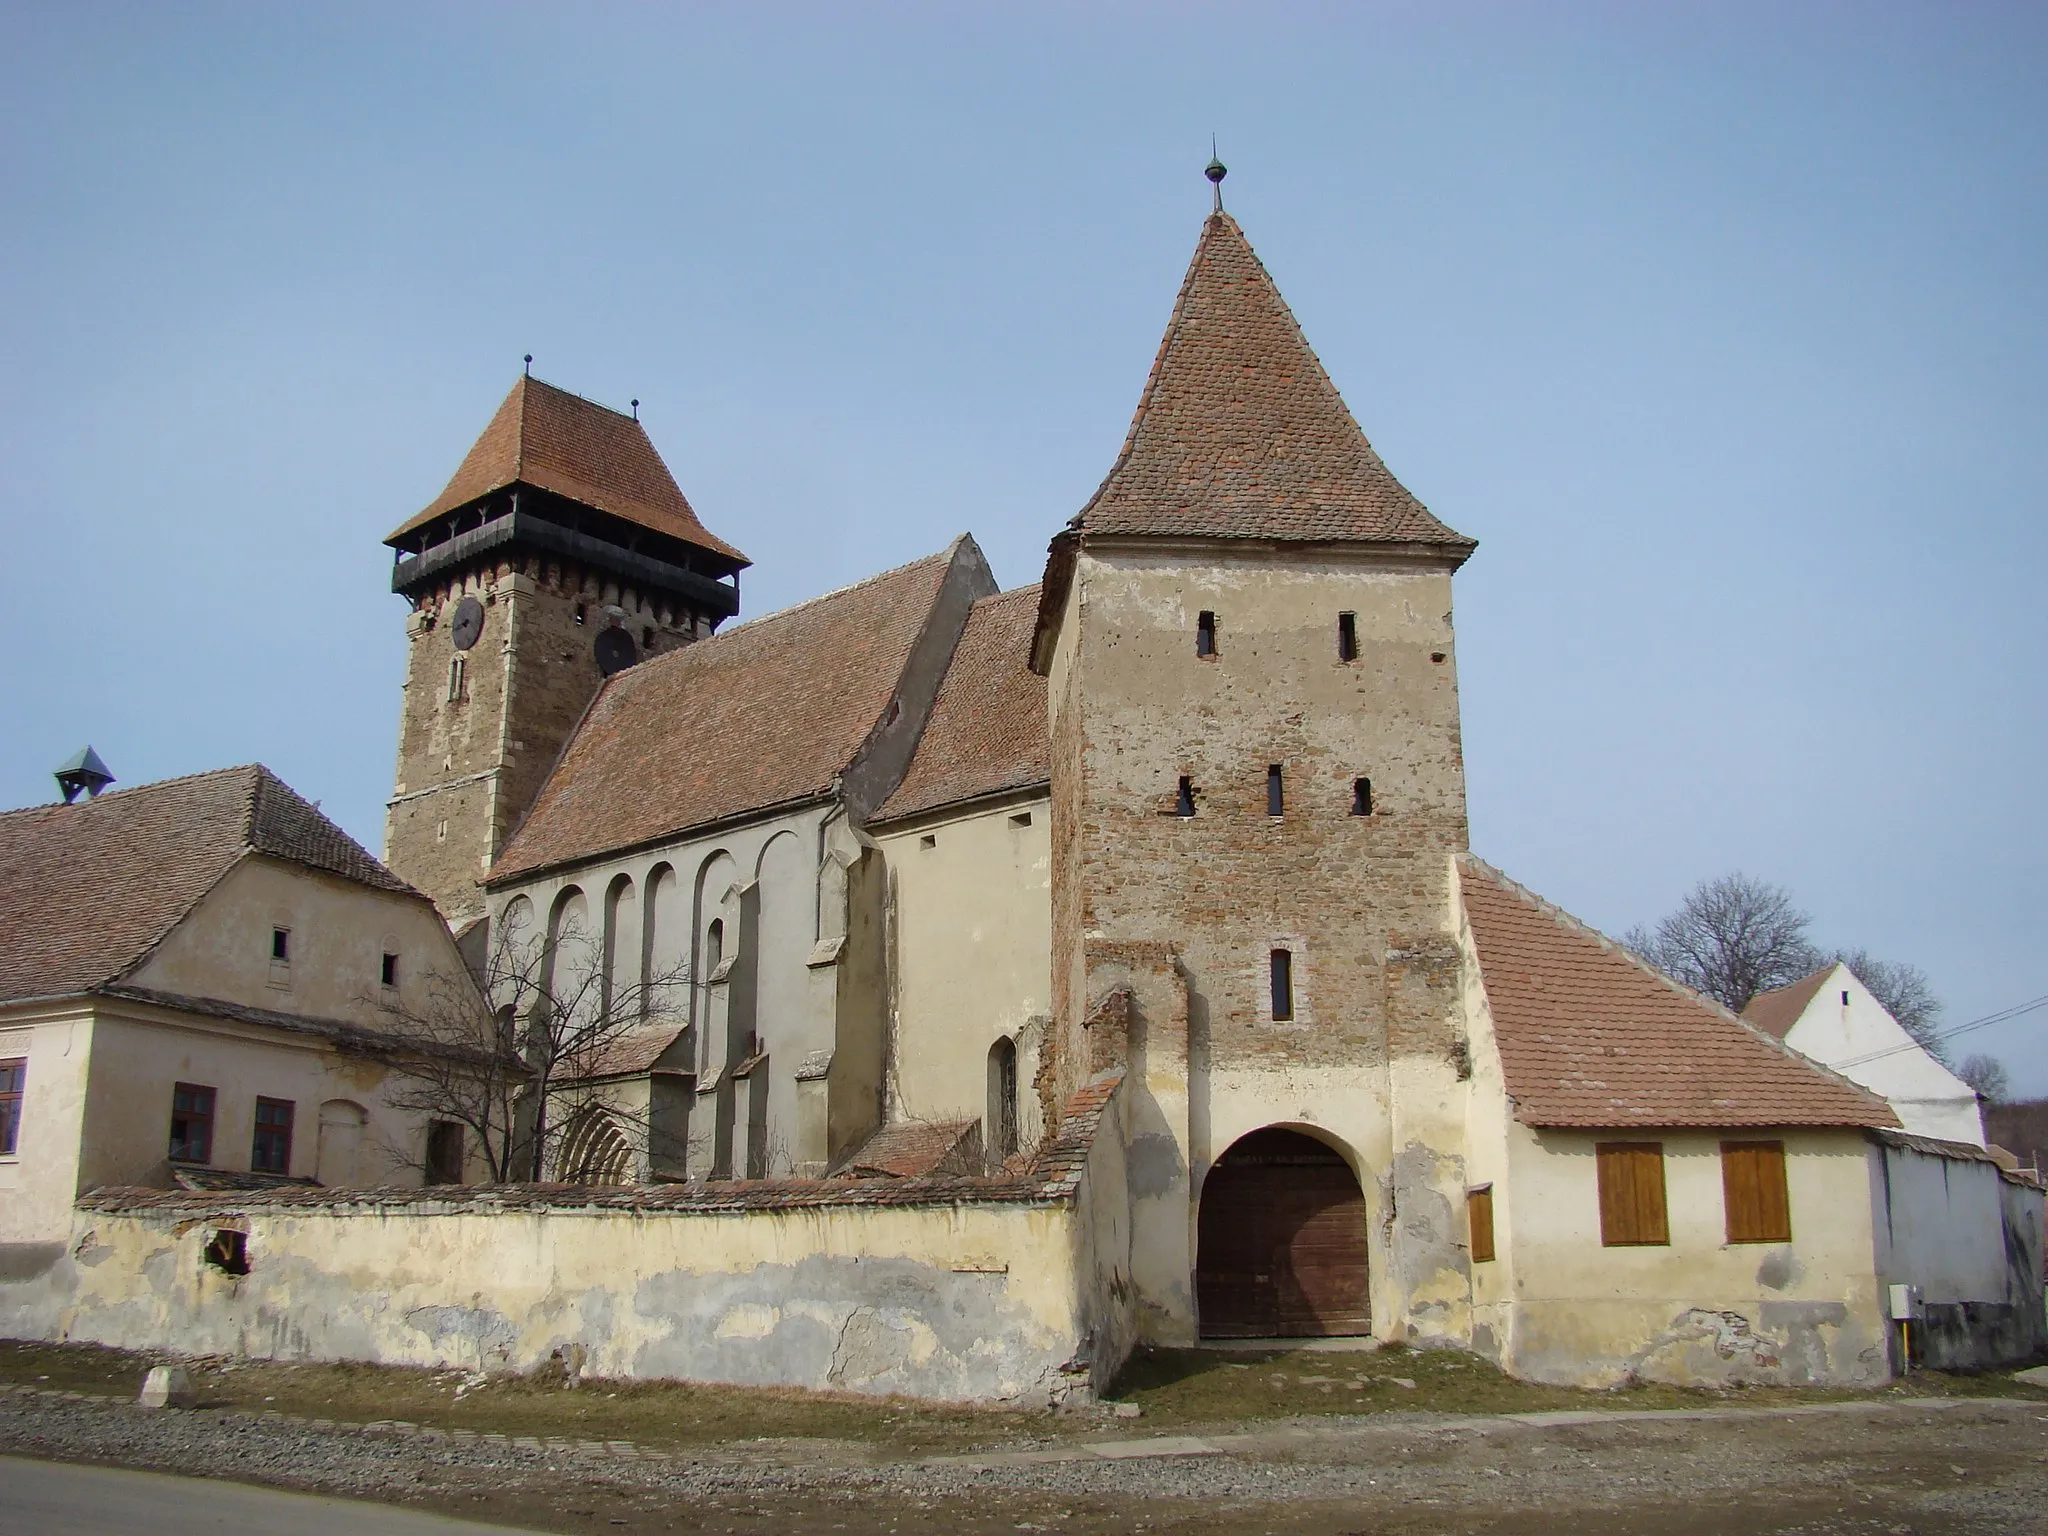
x: 561, y: 552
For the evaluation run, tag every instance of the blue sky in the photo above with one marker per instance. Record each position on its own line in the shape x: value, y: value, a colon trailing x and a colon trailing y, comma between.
x: 1721, y: 328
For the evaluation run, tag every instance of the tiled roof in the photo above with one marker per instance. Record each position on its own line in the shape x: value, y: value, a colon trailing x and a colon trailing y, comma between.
x: 627, y: 1054
x: 1241, y: 435
x: 765, y: 714
x: 546, y: 437
x: 911, y: 1149
x: 86, y: 890
x: 987, y: 731
x: 1052, y: 1177
x: 1590, y: 1036
x: 1776, y: 1011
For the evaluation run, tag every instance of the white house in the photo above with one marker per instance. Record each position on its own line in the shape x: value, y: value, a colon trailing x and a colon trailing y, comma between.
x: 1832, y: 1018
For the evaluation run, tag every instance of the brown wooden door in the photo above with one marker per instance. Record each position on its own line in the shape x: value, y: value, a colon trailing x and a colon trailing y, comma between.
x: 1281, y: 1242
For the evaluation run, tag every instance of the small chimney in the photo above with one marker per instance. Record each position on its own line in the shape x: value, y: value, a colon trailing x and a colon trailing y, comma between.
x: 83, y: 770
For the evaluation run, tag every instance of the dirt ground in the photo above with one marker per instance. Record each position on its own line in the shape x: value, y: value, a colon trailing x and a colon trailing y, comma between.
x: 1320, y: 1444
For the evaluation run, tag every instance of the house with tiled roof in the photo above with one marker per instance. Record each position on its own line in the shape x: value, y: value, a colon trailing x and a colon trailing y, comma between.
x: 1831, y: 1017
x: 199, y: 983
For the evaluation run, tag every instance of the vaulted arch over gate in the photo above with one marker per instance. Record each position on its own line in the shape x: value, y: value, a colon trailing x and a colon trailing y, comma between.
x: 1281, y: 1242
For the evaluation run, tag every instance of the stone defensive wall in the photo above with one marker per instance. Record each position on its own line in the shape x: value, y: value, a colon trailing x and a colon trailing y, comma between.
x: 1005, y: 1289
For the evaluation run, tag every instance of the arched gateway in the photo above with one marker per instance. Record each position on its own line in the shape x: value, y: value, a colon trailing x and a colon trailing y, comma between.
x: 1281, y: 1242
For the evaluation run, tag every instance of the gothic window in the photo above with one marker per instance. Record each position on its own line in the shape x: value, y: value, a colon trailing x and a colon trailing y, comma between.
x: 1002, y: 1099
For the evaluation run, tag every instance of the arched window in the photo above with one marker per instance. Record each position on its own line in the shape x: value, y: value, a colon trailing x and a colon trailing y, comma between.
x: 1001, y: 1124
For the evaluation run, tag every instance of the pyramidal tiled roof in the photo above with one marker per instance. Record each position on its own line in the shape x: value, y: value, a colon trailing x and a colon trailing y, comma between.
x: 1241, y: 434
x: 1590, y: 1036
x: 546, y: 437
x: 87, y: 890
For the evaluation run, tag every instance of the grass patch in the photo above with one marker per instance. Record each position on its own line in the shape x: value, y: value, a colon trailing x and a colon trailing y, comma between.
x: 1173, y: 1388
x: 1190, y: 1386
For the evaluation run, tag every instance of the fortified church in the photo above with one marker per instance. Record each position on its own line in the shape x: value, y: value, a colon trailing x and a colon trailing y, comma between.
x: 1022, y: 977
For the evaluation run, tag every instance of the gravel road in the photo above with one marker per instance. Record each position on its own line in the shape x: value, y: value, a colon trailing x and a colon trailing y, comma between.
x: 1978, y: 1466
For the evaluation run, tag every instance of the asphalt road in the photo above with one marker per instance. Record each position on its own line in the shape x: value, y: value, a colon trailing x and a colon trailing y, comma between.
x: 47, y: 1498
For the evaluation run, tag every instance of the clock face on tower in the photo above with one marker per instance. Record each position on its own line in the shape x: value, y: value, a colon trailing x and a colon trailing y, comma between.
x: 468, y: 624
x: 615, y: 651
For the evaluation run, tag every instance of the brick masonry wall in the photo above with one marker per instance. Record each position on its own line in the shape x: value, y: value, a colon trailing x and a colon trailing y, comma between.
x: 1344, y: 893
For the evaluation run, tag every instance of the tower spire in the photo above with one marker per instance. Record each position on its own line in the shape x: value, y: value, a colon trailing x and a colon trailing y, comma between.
x: 1216, y: 170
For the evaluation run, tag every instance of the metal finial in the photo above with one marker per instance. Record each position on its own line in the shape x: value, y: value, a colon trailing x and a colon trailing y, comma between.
x: 1216, y: 170
x: 529, y: 365
x: 83, y: 770
x: 636, y: 410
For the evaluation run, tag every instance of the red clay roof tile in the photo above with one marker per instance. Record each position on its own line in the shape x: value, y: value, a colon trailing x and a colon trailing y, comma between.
x: 546, y: 437
x: 765, y: 714
x: 86, y: 890
x: 987, y: 731
x: 1590, y: 1036
x: 1241, y: 435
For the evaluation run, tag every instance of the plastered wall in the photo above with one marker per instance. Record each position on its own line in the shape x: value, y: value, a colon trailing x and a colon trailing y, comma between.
x: 1702, y: 1310
x: 340, y: 932
x: 794, y: 967
x: 967, y: 1302
x: 971, y: 897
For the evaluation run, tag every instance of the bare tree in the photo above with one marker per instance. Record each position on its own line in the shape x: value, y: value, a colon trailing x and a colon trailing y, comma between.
x: 1905, y: 992
x: 519, y: 1053
x: 1987, y: 1075
x: 1731, y: 938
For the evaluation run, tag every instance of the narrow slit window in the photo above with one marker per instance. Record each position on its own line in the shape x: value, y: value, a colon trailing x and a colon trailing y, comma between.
x: 1361, y: 797
x: 1632, y: 1211
x: 1205, y: 633
x: 1282, y: 968
x: 387, y: 971
x: 1184, y: 797
x: 458, y: 677
x: 1753, y: 1192
x: 1347, y: 637
x: 281, y: 945
x: 582, y: 615
x: 1276, y: 792
x: 1479, y: 1212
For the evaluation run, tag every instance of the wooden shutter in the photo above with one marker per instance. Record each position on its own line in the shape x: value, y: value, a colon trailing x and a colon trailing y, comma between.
x: 1479, y: 1211
x: 1754, y: 1193
x: 1632, y: 1194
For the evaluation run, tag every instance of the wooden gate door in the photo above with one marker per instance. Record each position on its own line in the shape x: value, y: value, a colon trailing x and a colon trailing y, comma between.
x: 1281, y: 1242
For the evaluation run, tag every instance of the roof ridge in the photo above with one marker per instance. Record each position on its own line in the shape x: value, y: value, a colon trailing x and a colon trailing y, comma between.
x: 822, y: 597
x: 1570, y: 923
x: 127, y: 790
